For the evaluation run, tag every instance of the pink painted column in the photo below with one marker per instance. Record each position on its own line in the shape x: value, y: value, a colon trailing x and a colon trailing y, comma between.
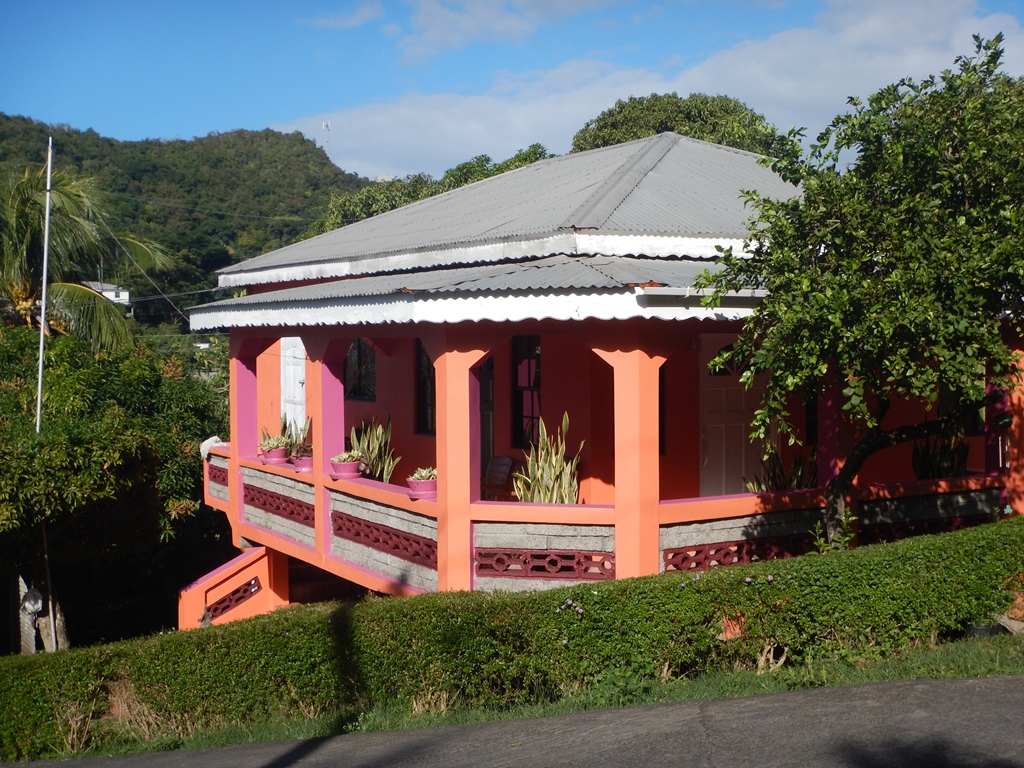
x: 637, y: 461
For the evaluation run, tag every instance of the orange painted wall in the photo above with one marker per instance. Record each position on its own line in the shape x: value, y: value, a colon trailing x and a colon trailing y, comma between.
x: 268, y: 389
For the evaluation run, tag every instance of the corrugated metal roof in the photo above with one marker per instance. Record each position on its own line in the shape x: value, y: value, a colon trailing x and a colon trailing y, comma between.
x: 662, y: 185
x: 543, y: 274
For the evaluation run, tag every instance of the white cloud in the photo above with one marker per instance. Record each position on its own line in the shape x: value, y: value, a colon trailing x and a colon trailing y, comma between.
x: 361, y: 15
x: 448, y: 24
x: 796, y: 77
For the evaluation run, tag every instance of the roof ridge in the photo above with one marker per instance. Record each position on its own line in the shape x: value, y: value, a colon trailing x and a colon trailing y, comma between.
x: 596, y: 209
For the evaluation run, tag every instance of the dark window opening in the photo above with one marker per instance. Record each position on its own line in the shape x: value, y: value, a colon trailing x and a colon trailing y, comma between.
x: 360, y: 371
x: 525, y: 390
x: 426, y: 393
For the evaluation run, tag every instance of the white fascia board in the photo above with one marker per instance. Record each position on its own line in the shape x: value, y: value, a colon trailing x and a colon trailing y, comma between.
x: 454, y: 309
x: 567, y: 242
x: 655, y: 245
x: 563, y: 242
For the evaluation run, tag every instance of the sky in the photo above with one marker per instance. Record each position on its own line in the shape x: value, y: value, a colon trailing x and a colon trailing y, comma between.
x: 409, y: 86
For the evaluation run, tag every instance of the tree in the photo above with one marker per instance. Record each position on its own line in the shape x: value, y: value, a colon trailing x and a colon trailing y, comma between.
x: 79, y: 241
x: 116, y: 467
x: 349, y: 208
x: 718, y: 119
x: 897, y: 273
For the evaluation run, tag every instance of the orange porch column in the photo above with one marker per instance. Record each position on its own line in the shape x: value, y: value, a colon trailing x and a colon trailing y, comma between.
x: 458, y: 460
x: 637, y: 460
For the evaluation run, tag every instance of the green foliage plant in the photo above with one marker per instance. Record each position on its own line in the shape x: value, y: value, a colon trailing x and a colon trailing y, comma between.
x: 602, y: 641
x: 424, y: 473
x: 895, y: 273
x: 718, y: 119
x: 776, y: 476
x: 347, y: 456
x: 548, y: 477
x: 80, y: 238
x: 373, y: 442
x: 940, y: 456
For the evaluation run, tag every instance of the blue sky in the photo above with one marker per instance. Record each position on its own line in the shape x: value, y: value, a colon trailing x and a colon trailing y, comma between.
x: 421, y: 85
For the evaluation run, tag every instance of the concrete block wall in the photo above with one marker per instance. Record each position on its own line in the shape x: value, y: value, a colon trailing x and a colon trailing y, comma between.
x: 384, y: 563
x: 541, y: 538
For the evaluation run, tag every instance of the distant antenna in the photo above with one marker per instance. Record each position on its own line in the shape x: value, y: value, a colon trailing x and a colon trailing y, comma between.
x: 327, y: 134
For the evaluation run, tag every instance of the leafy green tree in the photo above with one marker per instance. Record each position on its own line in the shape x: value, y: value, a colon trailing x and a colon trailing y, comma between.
x: 79, y: 240
x: 897, y: 273
x: 348, y: 208
x: 718, y: 119
x: 115, y: 467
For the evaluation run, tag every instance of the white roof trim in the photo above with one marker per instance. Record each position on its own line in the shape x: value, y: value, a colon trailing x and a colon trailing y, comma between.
x: 567, y: 242
x: 375, y: 310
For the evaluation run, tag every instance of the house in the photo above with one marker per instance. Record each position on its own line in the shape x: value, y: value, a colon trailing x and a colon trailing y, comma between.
x: 109, y: 291
x: 440, y: 317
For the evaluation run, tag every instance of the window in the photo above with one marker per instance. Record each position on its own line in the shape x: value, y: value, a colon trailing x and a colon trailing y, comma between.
x: 426, y: 394
x: 360, y: 371
x: 525, y: 390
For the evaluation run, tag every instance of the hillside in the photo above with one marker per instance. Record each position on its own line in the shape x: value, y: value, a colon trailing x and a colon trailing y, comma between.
x: 210, y: 201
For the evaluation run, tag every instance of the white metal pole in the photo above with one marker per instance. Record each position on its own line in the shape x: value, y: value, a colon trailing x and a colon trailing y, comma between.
x: 39, y: 383
x: 46, y: 268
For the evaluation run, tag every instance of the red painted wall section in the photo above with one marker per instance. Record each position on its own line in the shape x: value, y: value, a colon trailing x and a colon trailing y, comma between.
x: 597, y: 485
x: 1015, y: 436
x: 565, y: 388
x: 680, y: 464
x: 395, y: 361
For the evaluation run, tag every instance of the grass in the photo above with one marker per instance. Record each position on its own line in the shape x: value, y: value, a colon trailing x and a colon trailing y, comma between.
x: 978, y: 657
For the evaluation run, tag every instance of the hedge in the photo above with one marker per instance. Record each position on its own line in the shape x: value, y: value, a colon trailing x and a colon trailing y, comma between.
x: 499, y: 649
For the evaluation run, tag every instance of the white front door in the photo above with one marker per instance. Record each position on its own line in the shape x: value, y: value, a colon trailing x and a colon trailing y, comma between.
x: 726, y: 410
x: 293, y: 381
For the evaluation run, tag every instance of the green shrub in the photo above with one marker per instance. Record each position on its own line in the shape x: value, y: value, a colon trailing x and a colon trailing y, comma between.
x: 605, y: 640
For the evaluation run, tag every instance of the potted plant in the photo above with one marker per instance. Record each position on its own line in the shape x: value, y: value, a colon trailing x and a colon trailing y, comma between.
x: 302, y: 457
x: 373, y: 442
x: 274, y: 448
x: 347, y: 465
x: 423, y: 483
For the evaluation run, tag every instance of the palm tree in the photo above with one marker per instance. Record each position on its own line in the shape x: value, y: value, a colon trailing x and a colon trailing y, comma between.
x: 80, y: 239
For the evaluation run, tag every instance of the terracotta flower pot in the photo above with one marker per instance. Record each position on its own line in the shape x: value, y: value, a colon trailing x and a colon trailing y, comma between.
x: 422, y: 489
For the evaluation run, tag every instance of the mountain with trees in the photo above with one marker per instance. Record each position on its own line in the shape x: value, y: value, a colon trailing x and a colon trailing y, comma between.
x: 208, y: 202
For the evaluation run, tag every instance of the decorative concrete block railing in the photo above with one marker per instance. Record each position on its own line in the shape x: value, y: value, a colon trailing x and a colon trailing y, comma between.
x: 887, y: 519
x: 523, y: 556
x: 696, y: 546
x: 884, y: 512
x: 279, y: 504
x: 217, y: 477
x: 396, y: 543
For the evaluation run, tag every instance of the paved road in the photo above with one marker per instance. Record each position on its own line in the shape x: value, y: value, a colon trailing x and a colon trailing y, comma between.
x: 919, y: 724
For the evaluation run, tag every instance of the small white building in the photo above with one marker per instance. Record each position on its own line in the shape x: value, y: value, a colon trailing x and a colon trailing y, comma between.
x: 114, y: 293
